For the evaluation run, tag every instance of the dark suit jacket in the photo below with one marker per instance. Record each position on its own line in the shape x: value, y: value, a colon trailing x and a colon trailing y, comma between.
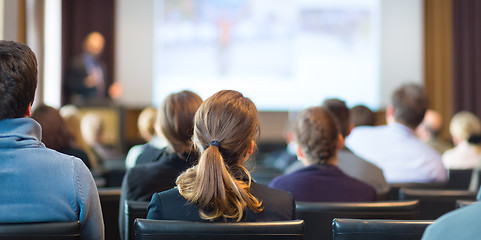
x: 143, y: 180
x: 324, y: 184
x: 75, y: 79
x: 170, y: 205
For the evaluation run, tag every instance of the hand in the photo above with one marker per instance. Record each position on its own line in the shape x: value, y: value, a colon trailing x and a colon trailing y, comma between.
x: 90, y: 81
x: 115, y: 90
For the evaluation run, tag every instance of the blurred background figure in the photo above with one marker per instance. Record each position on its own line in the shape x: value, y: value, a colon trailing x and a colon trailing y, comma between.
x: 86, y: 74
x: 72, y: 118
x: 362, y: 116
x: 55, y: 133
x: 429, y: 131
x: 465, y: 128
x: 146, y: 126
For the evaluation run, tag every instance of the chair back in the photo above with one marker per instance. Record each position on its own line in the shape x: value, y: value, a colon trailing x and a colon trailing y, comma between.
x: 435, y: 202
x: 357, y: 229
x: 109, y: 201
x: 459, y: 179
x: 393, y: 194
x: 318, y: 216
x: 40, y: 231
x: 133, y: 210
x: 171, y: 229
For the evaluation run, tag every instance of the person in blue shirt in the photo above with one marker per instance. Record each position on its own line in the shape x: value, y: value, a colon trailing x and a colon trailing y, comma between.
x: 38, y: 184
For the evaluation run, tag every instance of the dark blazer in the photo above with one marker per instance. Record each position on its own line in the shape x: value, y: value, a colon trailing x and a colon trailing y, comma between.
x: 143, y: 180
x: 170, y: 205
x: 75, y: 77
x: 324, y: 184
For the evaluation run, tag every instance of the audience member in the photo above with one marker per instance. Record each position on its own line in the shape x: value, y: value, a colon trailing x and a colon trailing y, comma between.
x: 93, y: 130
x: 72, y: 118
x: 394, y: 147
x: 38, y: 184
x: 146, y: 126
x: 158, y: 173
x: 461, y: 224
x: 318, y: 138
x: 362, y: 116
x: 429, y: 131
x: 219, y: 188
x: 467, y: 154
x: 348, y: 162
x: 55, y: 134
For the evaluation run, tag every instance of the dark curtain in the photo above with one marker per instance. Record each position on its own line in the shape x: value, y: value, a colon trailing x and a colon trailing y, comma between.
x: 467, y: 56
x: 79, y: 18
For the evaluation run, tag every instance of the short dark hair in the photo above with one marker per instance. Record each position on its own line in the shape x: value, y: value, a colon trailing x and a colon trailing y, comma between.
x: 339, y: 109
x: 18, y: 79
x: 410, y: 103
x: 362, y: 116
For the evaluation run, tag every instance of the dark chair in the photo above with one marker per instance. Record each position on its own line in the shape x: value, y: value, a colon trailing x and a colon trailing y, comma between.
x: 459, y: 179
x: 109, y: 201
x: 133, y: 210
x: 318, y: 216
x: 463, y: 203
x: 357, y: 229
x: 435, y: 202
x: 393, y: 194
x: 40, y: 231
x: 170, y: 229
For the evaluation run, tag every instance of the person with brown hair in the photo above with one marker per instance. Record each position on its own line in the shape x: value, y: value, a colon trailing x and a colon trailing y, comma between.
x: 157, y: 169
x: 55, y: 133
x: 219, y: 187
x: 318, y: 137
x: 362, y: 116
x: 394, y: 147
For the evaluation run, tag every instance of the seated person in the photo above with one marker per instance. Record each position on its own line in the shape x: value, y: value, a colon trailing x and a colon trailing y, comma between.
x: 394, y: 147
x: 466, y: 154
x: 219, y: 187
x: 429, y: 131
x: 38, y: 184
x: 318, y: 138
x: 362, y: 116
x: 175, y: 121
x: 462, y: 224
x: 55, y: 134
x: 146, y: 126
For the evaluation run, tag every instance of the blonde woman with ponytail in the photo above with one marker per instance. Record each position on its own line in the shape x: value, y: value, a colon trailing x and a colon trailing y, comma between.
x: 219, y: 187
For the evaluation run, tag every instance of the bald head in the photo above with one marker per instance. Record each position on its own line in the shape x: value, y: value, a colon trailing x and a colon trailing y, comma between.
x: 94, y: 43
x: 431, y: 125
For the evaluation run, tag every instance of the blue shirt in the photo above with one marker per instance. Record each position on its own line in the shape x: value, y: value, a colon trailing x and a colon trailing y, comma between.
x: 398, y: 152
x: 460, y: 224
x: 41, y: 185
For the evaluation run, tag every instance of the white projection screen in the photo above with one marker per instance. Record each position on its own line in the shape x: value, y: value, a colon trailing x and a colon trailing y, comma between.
x: 284, y: 54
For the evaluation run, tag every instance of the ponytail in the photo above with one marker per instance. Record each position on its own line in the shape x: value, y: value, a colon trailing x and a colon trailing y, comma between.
x: 211, y: 186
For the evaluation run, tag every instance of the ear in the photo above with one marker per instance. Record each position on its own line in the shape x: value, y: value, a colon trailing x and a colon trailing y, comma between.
x: 250, y: 150
x: 300, y: 154
x: 28, y: 113
x: 390, y: 114
x: 351, y: 126
x: 340, y: 142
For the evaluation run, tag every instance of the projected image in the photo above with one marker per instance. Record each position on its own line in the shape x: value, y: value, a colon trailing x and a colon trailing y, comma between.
x: 284, y: 54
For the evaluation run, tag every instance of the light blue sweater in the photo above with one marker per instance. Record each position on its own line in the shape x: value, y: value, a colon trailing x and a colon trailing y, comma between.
x: 41, y: 185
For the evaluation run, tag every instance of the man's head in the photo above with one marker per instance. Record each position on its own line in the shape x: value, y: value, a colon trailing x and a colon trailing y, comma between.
x: 18, y: 79
x: 339, y: 109
x: 409, y: 104
x: 431, y: 126
x: 94, y: 44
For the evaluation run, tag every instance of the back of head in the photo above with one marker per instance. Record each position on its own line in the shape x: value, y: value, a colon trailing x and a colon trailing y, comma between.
x: 225, y: 129
x: 362, y: 116
x: 317, y: 133
x: 175, y: 120
x: 409, y: 104
x: 55, y: 134
x: 463, y: 125
x: 146, y: 123
x: 18, y: 79
x: 431, y: 125
x: 339, y: 109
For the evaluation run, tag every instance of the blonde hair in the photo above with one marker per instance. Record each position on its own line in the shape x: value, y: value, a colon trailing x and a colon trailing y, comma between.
x: 72, y: 118
x: 175, y: 120
x: 146, y: 123
x: 464, y: 124
x: 225, y: 127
